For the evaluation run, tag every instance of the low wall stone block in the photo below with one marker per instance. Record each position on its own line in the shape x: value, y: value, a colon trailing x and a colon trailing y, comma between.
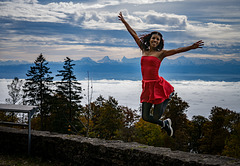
x: 84, y: 151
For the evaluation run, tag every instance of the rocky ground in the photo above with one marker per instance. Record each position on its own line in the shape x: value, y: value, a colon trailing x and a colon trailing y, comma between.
x: 17, y: 160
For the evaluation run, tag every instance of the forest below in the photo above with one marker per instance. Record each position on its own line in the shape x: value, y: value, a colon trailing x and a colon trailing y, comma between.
x: 61, y: 111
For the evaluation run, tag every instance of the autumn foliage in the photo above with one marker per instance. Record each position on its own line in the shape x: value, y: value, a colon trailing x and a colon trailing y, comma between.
x: 62, y: 112
x: 218, y: 135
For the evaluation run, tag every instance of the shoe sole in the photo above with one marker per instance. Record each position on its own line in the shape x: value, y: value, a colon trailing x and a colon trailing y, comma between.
x: 169, y: 121
x: 170, y: 126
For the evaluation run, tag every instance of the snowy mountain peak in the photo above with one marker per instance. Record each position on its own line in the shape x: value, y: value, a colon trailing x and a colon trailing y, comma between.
x: 106, y: 59
x: 85, y: 60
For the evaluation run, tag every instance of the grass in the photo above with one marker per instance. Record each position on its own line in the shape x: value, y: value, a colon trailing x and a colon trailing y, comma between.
x: 21, y: 160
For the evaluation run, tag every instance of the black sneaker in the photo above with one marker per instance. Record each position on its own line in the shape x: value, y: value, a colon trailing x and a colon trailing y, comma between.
x: 167, y: 126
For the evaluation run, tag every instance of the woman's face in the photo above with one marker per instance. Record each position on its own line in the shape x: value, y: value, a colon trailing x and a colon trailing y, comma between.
x: 155, y: 40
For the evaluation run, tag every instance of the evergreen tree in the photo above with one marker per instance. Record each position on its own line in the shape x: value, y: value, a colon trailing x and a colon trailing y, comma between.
x: 58, y: 120
x: 70, y: 88
x: 37, y: 88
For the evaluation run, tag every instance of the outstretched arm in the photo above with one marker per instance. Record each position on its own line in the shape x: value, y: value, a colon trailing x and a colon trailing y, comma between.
x: 130, y: 30
x: 196, y: 45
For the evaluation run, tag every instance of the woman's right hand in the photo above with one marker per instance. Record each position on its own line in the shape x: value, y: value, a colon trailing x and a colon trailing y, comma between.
x: 130, y: 30
x: 120, y: 16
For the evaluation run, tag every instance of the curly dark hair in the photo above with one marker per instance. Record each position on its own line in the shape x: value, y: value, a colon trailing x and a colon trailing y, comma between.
x: 145, y: 39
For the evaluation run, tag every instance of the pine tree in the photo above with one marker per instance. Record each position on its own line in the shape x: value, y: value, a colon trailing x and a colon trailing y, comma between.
x: 70, y: 88
x: 37, y: 88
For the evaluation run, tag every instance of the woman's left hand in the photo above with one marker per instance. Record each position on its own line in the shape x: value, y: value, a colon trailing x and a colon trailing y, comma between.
x: 198, y: 44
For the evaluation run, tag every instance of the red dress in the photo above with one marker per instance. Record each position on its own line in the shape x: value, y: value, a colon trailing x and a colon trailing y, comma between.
x: 155, y: 89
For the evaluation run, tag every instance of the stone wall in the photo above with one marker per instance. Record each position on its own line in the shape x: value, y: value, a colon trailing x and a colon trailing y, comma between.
x: 79, y: 150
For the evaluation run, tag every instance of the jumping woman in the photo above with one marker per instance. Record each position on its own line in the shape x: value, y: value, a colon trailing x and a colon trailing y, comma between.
x: 155, y: 89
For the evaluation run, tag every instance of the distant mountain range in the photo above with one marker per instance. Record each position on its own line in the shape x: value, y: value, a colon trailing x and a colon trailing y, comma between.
x: 181, y: 68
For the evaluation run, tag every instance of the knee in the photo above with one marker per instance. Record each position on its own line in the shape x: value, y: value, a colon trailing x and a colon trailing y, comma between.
x: 145, y: 118
x: 149, y: 118
x: 155, y: 119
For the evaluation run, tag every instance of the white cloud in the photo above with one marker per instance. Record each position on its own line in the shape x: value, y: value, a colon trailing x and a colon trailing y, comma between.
x: 139, y: 20
x: 215, y: 35
x: 224, y: 57
x: 142, y: 15
x: 201, y: 95
x: 86, y: 16
x: 162, y: 21
x: 210, y: 29
x: 29, y: 48
x: 148, y: 1
x: 27, y: 10
x: 223, y: 94
x: 138, y: 2
x: 127, y: 93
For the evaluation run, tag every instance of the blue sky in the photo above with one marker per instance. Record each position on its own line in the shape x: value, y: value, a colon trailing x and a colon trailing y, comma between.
x: 90, y: 28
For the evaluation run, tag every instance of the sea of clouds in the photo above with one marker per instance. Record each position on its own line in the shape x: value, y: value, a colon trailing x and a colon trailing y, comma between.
x: 200, y: 95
